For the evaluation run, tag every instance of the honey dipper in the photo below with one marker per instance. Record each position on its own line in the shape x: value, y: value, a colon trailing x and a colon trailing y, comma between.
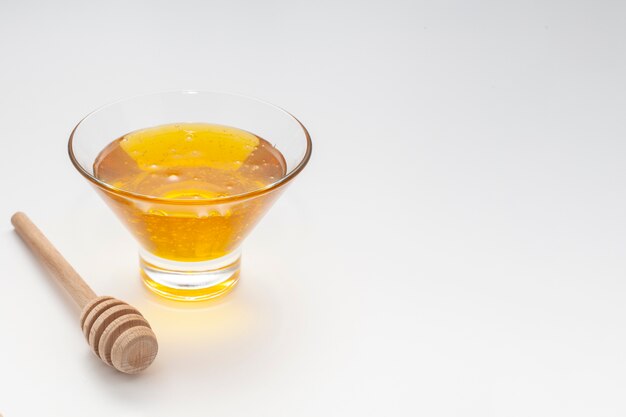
x: 117, y: 333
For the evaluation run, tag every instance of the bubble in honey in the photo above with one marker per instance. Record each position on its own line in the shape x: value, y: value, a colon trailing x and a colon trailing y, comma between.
x: 219, y: 162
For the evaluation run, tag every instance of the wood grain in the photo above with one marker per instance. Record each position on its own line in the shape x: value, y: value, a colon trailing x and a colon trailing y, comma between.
x: 61, y: 270
x: 113, y: 332
x: 134, y: 350
x: 116, y: 332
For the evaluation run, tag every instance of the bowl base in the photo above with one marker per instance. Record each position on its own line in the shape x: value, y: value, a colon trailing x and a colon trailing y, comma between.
x: 190, y: 281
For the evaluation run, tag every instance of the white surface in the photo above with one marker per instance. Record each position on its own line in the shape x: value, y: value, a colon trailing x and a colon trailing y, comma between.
x: 455, y: 247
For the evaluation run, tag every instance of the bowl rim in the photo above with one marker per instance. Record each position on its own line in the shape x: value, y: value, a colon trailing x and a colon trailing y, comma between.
x: 217, y: 200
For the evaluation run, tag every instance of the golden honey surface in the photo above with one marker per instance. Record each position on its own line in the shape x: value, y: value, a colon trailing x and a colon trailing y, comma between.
x: 184, y: 162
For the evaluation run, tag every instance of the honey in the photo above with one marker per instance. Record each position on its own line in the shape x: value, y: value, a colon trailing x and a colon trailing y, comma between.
x: 183, y: 189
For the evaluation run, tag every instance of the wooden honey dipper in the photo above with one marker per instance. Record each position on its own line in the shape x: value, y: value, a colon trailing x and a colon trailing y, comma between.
x: 117, y: 333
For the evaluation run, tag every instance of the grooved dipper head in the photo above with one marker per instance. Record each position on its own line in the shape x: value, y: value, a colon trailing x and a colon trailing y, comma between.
x: 119, y: 334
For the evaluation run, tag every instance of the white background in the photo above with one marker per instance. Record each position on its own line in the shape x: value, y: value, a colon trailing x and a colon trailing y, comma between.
x: 456, y: 246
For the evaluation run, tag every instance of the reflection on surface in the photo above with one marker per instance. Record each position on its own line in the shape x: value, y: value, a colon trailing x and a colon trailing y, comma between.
x: 190, y: 324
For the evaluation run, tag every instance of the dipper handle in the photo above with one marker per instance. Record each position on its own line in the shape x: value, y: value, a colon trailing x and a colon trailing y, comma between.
x: 65, y: 275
